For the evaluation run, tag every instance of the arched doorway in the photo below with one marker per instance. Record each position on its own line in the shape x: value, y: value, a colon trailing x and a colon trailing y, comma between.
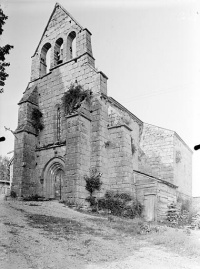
x: 58, y: 184
x: 53, y: 175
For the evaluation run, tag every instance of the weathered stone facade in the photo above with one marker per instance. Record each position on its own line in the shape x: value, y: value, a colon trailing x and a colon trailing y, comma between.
x: 168, y: 156
x: 52, y: 162
x: 196, y: 204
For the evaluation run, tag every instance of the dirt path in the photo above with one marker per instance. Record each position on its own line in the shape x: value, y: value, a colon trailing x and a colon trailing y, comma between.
x: 42, y: 235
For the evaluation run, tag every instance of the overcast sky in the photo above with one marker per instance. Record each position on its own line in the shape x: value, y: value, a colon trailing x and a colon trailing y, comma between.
x: 150, y: 51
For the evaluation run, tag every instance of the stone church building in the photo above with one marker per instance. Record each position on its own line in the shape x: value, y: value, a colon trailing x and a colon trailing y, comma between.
x: 152, y: 163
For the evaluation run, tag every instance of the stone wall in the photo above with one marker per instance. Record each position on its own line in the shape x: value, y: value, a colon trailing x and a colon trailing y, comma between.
x: 78, y: 154
x: 120, y: 159
x: 196, y: 204
x: 168, y: 156
x: 120, y: 146
x: 182, y: 167
x: 24, y: 165
x: 157, y: 146
x: 164, y: 193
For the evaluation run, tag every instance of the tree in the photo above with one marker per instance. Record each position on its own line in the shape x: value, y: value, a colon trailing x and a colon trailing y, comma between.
x: 4, y: 168
x: 3, y: 52
x: 93, y: 184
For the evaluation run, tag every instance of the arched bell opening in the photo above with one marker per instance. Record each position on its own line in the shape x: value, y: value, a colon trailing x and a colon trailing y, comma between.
x: 71, y: 45
x: 45, y: 59
x: 58, y: 52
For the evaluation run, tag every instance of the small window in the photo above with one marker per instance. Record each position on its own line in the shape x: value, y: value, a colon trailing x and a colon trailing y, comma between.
x: 58, y: 124
x: 45, y: 59
x: 71, y: 46
x: 58, y: 51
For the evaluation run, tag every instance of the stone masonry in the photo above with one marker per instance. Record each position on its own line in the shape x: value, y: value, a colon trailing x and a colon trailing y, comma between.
x: 169, y: 157
x: 104, y: 135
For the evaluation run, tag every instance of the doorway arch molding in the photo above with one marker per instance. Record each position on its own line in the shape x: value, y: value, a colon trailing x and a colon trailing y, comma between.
x: 49, y: 173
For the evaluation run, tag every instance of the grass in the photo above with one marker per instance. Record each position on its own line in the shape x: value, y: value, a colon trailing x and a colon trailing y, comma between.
x: 176, y: 240
x: 61, y: 227
x: 114, y: 228
x: 127, y: 226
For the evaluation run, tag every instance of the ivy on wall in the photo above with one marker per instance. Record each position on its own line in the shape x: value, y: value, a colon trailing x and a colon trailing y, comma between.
x: 73, y: 98
x: 36, y: 118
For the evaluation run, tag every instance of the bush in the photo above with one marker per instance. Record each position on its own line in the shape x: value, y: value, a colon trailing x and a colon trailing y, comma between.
x: 178, y: 214
x: 93, y: 182
x: 173, y: 214
x: 73, y: 98
x: 13, y: 194
x: 120, y: 204
x: 91, y: 200
x: 36, y: 118
x: 133, y: 210
x: 72, y: 203
x: 33, y: 197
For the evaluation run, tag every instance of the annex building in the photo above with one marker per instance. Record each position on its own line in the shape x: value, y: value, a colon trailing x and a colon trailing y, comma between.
x: 55, y: 148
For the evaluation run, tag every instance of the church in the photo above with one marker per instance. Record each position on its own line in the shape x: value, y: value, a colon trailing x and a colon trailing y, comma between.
x: 69, y: 125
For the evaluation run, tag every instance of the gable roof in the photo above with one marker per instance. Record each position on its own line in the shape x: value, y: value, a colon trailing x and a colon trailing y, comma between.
x: 67, y: 13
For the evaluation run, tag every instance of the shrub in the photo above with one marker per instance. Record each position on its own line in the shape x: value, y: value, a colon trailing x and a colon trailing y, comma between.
x: 73, y: 203
x: 173, y: 214
x: 13, y: 194
x: 178, y: 214
x: 91, y: 200
x: 73, y: 98
x: 124, y: 196
x: 36, y: 118
x: 133, y: 210
x: 33, y: 197
x: 120, y: 204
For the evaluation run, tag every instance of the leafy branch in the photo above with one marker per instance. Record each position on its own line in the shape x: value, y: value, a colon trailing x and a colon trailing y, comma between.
x: 93, y: 183
x: 3, y: 52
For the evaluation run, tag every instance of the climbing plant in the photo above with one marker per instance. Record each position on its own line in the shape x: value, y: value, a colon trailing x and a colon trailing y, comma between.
x: 36, y: 118
x: 73, y: 98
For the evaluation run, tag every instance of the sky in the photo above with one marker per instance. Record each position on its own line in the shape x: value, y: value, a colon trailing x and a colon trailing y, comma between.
x: 150, y: 51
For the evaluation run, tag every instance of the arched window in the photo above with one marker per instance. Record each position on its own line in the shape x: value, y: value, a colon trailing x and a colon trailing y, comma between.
x: 45, y: 59
x: 58, y: 124
x: 58, y: 51
x: 71, y: 46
